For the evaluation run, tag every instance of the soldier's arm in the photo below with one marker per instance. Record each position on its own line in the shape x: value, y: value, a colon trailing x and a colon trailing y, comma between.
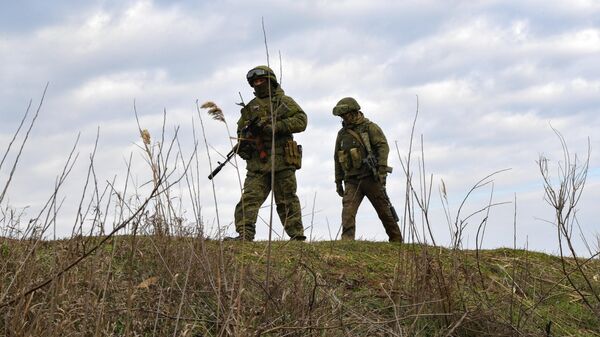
x: 290, y: 117
x: 242, y: 121
x: 245, y: 148
x: 339, y: 171
x: 379, y: 144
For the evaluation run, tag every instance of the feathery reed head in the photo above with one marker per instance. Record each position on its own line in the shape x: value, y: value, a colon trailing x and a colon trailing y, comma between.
x: 145, y: 136
x: 208, y: 104
x: 214, y: 111
x: 217, y: 114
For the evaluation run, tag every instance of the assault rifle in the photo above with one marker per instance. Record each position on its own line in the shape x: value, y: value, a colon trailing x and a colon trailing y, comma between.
x: 248, y: 134
x: 372, y: 164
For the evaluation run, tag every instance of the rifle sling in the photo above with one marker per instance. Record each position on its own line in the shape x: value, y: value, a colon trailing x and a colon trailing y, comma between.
x: 357, y: 137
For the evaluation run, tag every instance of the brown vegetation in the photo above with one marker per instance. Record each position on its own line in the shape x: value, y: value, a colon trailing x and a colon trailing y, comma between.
x: 155, y: 274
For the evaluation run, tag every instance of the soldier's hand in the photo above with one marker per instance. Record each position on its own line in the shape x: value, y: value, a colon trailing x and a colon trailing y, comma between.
x: 382, y: 174
x: 244, y: 155
x: 264, y: 123
x: 268, y: 129
x: 339, y: 188
x: 245, y: 150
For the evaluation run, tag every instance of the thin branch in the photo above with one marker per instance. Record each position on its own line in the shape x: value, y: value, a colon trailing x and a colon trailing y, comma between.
x: 31, y: 124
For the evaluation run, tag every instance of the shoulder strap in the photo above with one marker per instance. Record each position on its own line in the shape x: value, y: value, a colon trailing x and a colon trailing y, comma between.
x: 356, y: 136
x: 360, y: 140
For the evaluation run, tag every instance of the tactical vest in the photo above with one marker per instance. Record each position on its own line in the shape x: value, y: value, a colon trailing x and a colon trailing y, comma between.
x: 351, y: 152
x: 287, y: 153
x: 262, y: 109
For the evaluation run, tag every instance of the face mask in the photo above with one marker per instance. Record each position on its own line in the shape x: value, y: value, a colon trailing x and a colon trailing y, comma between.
x: 353, y: 118
x: 263, y: 90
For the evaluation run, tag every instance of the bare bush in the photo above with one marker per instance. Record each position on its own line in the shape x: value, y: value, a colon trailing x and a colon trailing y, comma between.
x: 562, y: 193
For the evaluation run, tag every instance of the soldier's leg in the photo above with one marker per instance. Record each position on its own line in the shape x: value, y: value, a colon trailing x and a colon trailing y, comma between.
x: 351, y: 200
x: 288, y: 204
x: 375, y: 194
x: 256, y: 190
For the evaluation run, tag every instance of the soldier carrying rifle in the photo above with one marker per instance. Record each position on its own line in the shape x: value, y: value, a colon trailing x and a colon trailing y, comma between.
x: 270, y: 115
x: 361, y: 153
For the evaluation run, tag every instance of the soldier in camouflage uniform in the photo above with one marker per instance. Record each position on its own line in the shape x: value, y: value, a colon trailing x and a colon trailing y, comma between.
x: 288, y: 119
x: 355, y: 140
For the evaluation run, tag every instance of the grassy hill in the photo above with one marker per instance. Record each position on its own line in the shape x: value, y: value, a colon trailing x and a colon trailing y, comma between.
x: 183, y: 286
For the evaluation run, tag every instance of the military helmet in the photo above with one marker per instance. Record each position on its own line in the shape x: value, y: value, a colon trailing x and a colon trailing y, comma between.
x: 345, y: 105
x: 261, y: 71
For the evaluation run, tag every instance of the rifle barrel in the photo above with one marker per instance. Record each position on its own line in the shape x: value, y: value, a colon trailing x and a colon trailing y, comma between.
x: 227, y: 159
x: 244, y: 137
x: 215, y: 171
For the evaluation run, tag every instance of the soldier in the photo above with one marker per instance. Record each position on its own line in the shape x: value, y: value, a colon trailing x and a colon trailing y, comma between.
x: 361, y: 153
x: 257, y: 152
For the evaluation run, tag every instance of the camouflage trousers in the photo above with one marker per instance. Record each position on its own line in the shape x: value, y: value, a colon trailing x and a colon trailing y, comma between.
x: 354, y: 193
x: 257, y: 186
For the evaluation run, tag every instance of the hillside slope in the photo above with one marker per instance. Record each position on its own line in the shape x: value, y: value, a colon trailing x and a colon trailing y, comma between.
x: 166, y: 286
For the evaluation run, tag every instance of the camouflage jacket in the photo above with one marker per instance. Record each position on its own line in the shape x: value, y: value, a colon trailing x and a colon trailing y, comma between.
x: 289, y: 119
x: 349, y: 152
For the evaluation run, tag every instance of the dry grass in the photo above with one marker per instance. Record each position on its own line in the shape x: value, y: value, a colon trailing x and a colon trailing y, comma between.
x: 169, y: 286
x: 157, y: 274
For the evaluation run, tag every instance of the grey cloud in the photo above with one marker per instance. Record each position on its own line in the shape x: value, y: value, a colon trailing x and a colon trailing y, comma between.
x: 27, y: 16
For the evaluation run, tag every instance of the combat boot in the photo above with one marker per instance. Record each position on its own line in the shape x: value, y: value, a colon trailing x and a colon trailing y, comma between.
x: 396, y: 238
x: 238, y: 238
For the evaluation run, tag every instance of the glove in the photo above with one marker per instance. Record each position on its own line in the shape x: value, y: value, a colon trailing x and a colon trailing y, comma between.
x: 382, y: 174
x: 268, y: 129
x: 245, y: 155
x: 245, y: 150
x: 339, y: 188
x: 264, y: 124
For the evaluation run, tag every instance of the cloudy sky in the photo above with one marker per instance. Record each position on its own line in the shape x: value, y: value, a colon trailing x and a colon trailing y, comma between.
x: 491, y: 79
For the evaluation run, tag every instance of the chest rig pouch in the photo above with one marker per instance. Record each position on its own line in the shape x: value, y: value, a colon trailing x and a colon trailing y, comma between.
x: 351, y: 153
x: 293, y: 153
